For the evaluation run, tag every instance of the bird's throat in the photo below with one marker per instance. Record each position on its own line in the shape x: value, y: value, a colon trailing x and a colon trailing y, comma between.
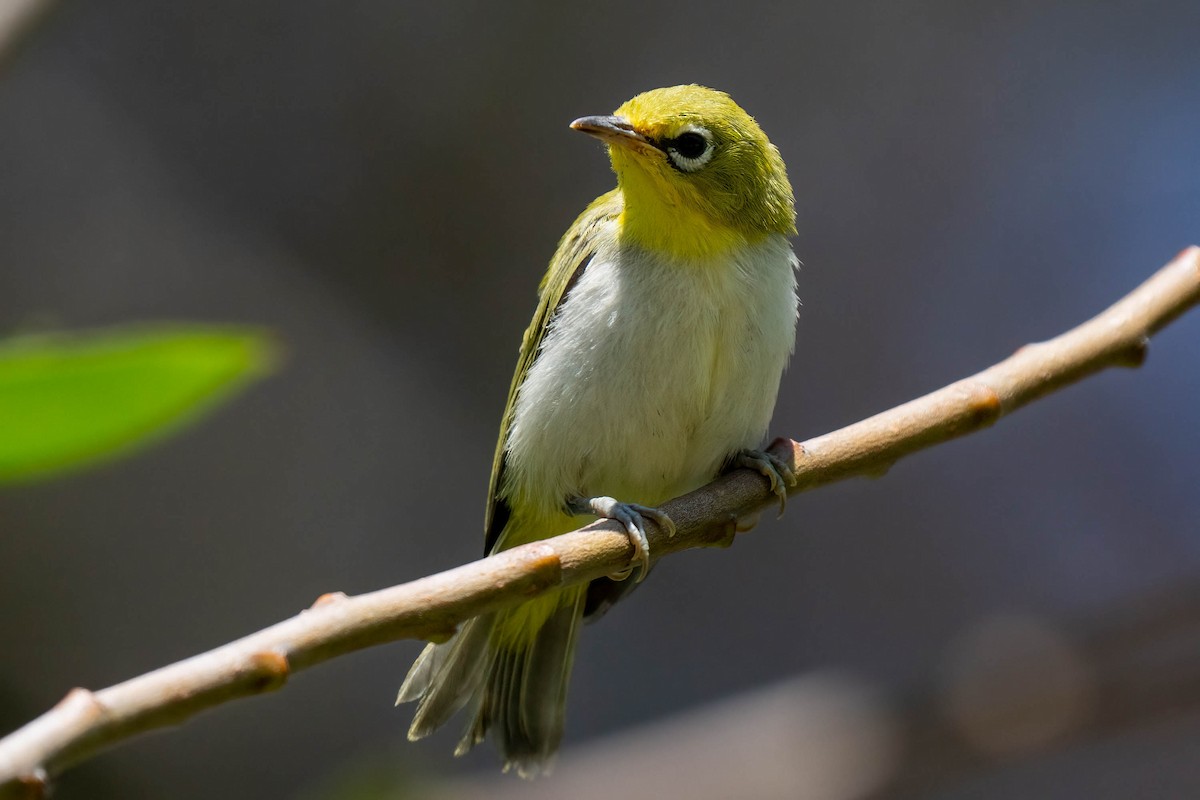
x: 657, y: 218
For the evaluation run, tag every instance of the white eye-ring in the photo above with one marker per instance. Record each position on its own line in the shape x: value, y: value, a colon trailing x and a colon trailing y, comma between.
x: 690, y: 149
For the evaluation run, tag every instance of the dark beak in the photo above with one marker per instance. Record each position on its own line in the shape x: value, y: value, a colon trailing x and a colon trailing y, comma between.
x: 613, y: 130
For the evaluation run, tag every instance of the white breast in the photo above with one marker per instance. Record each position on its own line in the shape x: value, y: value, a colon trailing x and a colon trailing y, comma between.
x: 652, y: 373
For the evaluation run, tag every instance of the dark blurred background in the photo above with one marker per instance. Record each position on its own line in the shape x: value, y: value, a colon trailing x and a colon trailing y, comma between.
x: 383, y: 182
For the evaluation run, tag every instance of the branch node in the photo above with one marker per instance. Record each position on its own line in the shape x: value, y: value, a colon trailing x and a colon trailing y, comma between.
x: 327, y: 598
x: 30, y: 786
x: 1134, y: 355
x: 744, y: 523
x: 878, y: 470
x: 542, y: 563
x: 82, y: 703
x: 729, y: 531
x: 984, y: 404
x: 787, y: 449
x: 270, y: 669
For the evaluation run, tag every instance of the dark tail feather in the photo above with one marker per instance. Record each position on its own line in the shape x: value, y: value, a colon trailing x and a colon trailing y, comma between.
x: 527, y: 694
x: 517, y: 691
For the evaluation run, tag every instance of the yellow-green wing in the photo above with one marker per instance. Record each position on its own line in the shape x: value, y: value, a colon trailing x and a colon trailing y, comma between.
x: 574, y: 251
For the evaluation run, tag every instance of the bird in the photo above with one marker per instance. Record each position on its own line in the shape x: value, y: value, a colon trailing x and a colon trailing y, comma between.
x: 652, y: 364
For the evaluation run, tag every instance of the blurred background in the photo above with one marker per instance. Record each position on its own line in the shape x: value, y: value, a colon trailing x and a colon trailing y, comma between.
x: 382, y: 184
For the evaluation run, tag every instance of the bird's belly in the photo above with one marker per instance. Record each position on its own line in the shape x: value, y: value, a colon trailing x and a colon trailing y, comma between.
x: 649, y: 378
x: 650, y: 430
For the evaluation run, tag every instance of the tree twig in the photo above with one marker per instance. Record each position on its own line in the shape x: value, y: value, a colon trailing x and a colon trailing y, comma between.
x: 85, y: 723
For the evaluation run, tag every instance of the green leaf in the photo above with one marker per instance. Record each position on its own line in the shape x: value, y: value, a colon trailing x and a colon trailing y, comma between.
x: 68, y: 400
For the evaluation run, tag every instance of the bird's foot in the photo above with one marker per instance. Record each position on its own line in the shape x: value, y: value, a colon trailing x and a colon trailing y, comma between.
x: 773, y: 468
x: 632, y: 516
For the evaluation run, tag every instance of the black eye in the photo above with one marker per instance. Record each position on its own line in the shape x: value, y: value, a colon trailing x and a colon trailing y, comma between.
x: 690, y: 150
x: 689, y: 144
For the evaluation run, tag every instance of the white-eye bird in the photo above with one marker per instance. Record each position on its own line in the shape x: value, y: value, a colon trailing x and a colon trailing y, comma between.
x: 652, y: 363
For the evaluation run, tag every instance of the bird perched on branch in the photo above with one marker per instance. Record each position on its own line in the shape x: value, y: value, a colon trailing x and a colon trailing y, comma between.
x: 652, y: 363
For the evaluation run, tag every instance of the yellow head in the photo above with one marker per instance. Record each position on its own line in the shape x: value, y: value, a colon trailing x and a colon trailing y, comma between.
x: 699, y: 177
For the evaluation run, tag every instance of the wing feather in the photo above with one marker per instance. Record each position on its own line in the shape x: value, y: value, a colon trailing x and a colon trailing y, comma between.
x: 574, y: 252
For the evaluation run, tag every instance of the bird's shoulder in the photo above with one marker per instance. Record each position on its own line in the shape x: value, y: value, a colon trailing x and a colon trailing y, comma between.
x: 575, y: 247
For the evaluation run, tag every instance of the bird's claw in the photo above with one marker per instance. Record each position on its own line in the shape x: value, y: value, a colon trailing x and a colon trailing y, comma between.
x: 632, y: 517
x: 775, y: 469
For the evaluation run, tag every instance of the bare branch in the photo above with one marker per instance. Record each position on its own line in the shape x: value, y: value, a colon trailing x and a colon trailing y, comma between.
x: 85, y: 723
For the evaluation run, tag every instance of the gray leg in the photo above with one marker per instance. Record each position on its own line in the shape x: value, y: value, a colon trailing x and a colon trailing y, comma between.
x: 774, y: 468
x: 632, y: 516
